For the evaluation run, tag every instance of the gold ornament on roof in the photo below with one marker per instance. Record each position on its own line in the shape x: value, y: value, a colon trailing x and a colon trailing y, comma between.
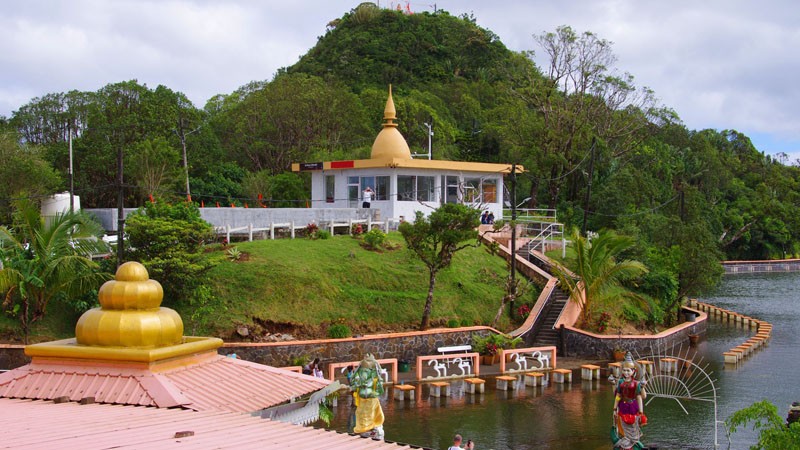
x: 130, y: 314
x: 390, y: 143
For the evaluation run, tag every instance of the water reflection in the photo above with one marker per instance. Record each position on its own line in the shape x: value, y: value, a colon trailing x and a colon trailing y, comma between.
x: 578, y: 416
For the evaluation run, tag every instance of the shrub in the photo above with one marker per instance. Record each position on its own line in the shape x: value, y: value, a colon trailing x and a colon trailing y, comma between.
x: 493, y: 343
x: 311, y: 230
x: 453, y: 323
x: 323, y: 234
x: 168, y: 240
x: 357, y: 229
x: 339, y: 330
x: 234, y: 254
x: 603, y: 321
x: 375, y: 239
x: 301, y: 360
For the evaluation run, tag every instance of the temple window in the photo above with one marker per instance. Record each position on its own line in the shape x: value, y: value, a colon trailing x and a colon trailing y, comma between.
x: 415, y: 188
x: 330, y: 191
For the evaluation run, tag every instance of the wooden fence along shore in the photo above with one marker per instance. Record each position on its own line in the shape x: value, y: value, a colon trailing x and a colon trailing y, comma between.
x: 762, y: 328
x: 778, y: 265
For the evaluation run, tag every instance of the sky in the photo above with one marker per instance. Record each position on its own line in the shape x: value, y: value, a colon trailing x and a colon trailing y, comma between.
x: 721, y: 64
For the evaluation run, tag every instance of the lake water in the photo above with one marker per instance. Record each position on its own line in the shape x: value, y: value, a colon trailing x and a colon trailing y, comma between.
x: 578, y: 416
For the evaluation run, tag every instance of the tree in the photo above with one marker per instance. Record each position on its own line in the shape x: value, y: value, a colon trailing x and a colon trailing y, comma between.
x: 292, y: 118
x: 596, y: 276
x: 24, y: 173
x: 436, y: 238
x: 47, y: 259
x: 774, y: 434
x: 579, y: 99
x: 154, y: 167
x: 285, y: 190
x: 168, y: 240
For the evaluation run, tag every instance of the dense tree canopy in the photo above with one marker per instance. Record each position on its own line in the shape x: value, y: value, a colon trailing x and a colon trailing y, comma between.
x: 595, y: 146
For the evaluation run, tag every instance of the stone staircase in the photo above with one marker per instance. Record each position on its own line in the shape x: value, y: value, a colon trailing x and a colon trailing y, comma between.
x: 543, y: 332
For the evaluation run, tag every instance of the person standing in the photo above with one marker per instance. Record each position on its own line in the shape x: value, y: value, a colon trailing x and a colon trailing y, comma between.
x: 309, y: 369
x: 367, y: 197
x: 794, y: 414
x: 457, y: 444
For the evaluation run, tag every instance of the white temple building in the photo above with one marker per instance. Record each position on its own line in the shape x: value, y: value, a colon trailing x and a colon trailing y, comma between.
x: 402, y: 185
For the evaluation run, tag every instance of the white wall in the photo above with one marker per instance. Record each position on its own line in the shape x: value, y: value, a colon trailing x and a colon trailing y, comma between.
x: 393, y: 208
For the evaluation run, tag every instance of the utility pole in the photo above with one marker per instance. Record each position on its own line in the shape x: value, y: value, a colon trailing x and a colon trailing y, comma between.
x: 182, y: 137
x: 513, y: 292
x: 120, y: 210
x: 588, y: 187
x: 71, y: 183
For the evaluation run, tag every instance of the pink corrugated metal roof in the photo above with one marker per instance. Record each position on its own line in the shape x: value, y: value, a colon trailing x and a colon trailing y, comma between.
x: 36, y: 424
x: 211, y: 383
x: 229, y: 384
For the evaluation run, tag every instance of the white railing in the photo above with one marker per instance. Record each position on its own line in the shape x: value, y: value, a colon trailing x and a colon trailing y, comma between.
x: 548, y: 233
x: 532, y: 215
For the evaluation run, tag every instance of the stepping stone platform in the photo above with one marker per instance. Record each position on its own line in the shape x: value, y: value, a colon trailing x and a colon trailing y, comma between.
x: 438, y: 386
x: 535, y: 379
x: 562, y: 376
x: 474, y: 385
x: 404, y: 392
x: 505, y: 382
x: 590, y: 372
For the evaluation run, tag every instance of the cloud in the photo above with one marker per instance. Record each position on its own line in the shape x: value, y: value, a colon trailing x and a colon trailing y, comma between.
x: 720, y: 64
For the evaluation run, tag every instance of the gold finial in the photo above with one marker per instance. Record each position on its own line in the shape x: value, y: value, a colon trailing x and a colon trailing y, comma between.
x: 130, y: 314
x: 389, y: 113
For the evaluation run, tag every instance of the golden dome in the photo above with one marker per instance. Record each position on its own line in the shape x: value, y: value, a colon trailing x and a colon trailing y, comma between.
x: 390, y: 143
x: 130, y: 314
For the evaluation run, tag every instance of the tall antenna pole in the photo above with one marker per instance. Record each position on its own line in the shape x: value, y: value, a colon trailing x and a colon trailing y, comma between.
x: 513, y: 239
x: 588, y: 188
x: 430, y: 135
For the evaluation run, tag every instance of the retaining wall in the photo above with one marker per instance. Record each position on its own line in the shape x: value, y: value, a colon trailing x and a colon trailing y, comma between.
x: 584, y: 344
x: 403, y: 346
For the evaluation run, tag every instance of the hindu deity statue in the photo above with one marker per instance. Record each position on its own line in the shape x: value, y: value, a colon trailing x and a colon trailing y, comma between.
x: 367, y: 387
x: 629, y: 407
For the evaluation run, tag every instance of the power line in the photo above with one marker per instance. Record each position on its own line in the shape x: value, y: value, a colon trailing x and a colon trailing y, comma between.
x: 639, y: 213
x: 577, y: 166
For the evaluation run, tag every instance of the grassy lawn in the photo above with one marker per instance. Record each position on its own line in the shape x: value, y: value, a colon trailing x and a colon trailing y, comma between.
x: 303, y: 285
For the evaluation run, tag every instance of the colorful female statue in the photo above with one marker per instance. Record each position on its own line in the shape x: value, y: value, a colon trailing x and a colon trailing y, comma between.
x: 629, y: 408
x: 367, y: 386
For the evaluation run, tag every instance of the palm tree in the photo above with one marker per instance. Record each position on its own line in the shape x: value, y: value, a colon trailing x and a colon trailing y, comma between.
x: 595, y: 277
x: 42, y: 260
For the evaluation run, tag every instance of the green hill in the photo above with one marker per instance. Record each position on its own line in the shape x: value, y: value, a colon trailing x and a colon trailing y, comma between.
x: 372, y: 47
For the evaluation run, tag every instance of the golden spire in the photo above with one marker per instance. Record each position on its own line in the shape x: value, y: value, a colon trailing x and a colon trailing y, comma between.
x: 389, y: 113
x: 390, y: 144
